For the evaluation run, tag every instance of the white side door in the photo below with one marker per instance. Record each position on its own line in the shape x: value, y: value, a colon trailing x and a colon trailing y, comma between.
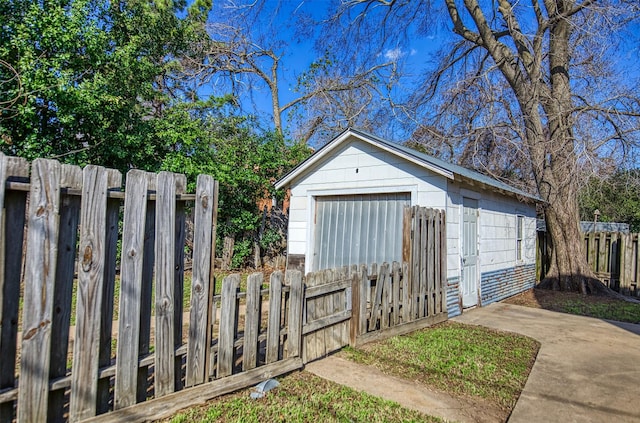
x: 469, y: 252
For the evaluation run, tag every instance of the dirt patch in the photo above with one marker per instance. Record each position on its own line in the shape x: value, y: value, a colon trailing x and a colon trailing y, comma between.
x: 555, y: 300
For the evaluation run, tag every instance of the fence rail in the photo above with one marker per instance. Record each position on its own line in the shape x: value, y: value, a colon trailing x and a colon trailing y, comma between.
x: 70, y: 351
x: 613, y: 256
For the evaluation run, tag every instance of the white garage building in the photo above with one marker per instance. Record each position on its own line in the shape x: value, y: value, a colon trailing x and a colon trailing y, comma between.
x: 347, y: 203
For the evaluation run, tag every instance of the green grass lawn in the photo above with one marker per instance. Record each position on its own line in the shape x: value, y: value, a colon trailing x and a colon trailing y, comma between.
x: 600, y: 307
x: 458, y: 359
x: 302, y: 397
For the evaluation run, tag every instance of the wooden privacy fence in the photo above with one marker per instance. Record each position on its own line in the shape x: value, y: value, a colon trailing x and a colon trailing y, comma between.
x: 358, y: 304
x: 53, y: 371
x: 70, y: 351
x: 613, y: 256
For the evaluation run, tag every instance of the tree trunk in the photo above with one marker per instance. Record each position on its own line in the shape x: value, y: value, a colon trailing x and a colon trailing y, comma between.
x: 227, y: 253
x: 569, y: 269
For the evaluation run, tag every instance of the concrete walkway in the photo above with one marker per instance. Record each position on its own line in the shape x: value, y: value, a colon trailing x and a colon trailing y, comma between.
x: 587, y: 370
x: 406, y: 393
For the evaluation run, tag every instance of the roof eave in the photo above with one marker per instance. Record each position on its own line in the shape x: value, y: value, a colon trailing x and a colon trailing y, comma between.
x: 520, y: 195
x: 317, y: 156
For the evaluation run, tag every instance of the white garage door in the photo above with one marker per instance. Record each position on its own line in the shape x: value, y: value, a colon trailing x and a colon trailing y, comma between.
x: 358, y: 229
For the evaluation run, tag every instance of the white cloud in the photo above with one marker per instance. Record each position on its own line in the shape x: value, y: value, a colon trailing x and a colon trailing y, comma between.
x: 393, y: 54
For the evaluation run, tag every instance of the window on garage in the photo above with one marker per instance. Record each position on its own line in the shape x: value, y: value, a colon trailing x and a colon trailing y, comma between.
x: 357, y: 229
x: 519, y: 236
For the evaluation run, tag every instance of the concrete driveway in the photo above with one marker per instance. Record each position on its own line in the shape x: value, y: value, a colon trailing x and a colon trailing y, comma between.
x: 587, y: 370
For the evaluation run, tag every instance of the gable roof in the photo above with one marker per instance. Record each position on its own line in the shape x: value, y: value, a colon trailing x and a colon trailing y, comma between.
x: 449, y: 170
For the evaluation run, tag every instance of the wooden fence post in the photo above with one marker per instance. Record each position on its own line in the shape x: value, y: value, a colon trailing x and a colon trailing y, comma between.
x: 200, y: 318
x: 293, y: 278
x: 165, y: 262
x: 406, y: 233
x: 228, y: 325
x: 12, y: 212
x: 135, y: 207
x: 41, y: 257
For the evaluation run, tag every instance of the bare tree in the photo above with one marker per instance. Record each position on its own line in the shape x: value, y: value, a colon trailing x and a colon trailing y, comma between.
x: 338, y: 94
x: 11, y: 90
x: 541, y: 76
x: 245, y: 53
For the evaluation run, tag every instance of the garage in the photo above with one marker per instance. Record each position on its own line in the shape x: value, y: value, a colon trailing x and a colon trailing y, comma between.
x: 347, y: 202
x: 355, y: 229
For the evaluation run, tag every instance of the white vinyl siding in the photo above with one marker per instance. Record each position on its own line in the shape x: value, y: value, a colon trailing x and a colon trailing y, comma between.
x: 358, y: 229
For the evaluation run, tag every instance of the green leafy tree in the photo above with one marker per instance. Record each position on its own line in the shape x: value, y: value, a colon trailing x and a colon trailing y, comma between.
x: 617, y: 198
x: 85, y: 79
x: 94, y: 81
x: 212, y: 137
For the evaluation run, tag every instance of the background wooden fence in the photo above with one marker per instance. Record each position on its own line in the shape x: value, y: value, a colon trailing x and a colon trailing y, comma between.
x: 69, y: 351
x: 613, y: 256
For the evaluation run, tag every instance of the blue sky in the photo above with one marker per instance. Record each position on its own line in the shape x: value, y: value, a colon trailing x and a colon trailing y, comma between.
x: 417, y: 54
x: 299, y: 53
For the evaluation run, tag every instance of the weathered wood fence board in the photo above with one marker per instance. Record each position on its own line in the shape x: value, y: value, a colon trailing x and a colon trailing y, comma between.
x: 198, y: 352
x: 12, y: 218
x: 164, y: 376
x: 146, y: 289
x: 131, y: 280
x: 91, y: 279
x: 252, y: 322
x: 274, y: 324
x: 39, y: 282
x: 228, y: 325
